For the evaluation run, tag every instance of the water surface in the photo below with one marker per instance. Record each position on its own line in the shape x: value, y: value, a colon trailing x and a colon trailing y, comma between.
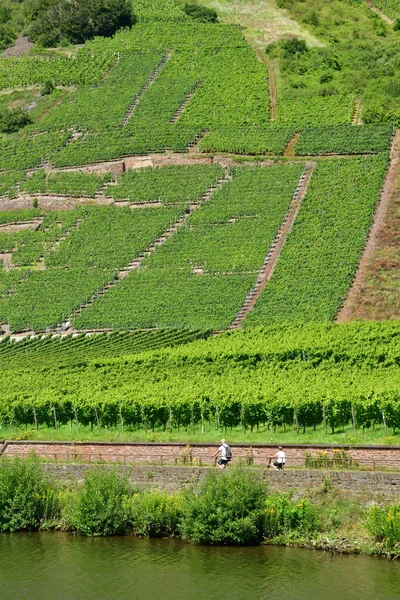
x: 50, y: 566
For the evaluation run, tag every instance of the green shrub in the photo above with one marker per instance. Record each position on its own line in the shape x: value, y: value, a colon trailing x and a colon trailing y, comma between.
x: 78, y: 21
x: 101, y: 506
x: 47, y: 88
x: 155, y: 514
x: 384, y: 525
x: 24, y: 495
x: 201, y: 13
x: 284, y: 515
x: 227, y: 508
x: 294, y: 46
x: 13, y: 119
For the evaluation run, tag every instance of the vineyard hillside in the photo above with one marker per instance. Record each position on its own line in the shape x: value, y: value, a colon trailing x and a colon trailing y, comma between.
x: 169, y: 177
x: 181, y: 179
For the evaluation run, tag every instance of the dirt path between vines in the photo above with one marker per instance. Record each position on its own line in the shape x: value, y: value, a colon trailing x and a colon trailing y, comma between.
x: 274, y: 252
x: 378, y: 12
x: 273, y: 96
x: 359, y: 303
x: 356, y: 119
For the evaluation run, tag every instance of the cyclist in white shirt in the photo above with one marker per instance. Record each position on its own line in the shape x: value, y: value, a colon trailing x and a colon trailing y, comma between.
x: 280, y: 461
x: 223, y: 450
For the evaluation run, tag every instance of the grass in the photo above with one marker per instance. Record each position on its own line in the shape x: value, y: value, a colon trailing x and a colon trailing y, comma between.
x: 262, y: 21
x: 210, y: 436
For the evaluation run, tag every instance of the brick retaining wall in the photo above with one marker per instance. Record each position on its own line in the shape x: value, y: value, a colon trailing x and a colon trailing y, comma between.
x: 175, y: 478
x: 201, y: 454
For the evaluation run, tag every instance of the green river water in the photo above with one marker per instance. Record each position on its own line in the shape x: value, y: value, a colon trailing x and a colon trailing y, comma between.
x: 62, y: 566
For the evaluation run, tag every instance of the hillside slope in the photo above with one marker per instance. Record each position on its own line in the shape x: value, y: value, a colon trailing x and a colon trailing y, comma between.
x: 96, y: 234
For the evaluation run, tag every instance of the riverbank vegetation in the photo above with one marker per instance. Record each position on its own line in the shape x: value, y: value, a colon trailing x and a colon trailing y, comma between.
x: 233, y: 507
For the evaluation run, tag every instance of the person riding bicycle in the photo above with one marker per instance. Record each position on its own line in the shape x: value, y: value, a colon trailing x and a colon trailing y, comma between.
x: 225, y: 455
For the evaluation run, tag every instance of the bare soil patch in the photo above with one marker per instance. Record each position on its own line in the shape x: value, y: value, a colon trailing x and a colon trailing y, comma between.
x: 22, y: 46
x: 273, y: 95
x: 13, y: 227
x: 375, y: 293
x: 6, y: 259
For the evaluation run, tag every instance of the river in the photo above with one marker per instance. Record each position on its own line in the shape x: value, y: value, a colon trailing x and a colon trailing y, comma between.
x: 50, y: 566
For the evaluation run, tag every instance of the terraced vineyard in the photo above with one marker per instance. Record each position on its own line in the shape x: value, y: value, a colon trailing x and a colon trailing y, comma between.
x: 151, y: 202
x: 321, y: 255
x: 203, y: 273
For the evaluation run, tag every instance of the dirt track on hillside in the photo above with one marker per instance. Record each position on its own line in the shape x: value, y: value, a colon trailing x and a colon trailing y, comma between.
x: 357, y: 303
x: 378, y: 12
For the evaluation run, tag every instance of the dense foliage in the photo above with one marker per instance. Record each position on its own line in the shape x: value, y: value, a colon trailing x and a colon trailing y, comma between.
x: 11, y: 120
x: 281, y: 377
x: 201, y: 13
x: 358, y: 59
x: 101, y: 505
x: 224, y: 509
x: 230, y: 508
x: 25, y: 495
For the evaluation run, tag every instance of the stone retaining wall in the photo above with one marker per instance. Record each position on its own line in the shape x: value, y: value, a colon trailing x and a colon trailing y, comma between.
x: 176, y: 478
x: 200, y: 454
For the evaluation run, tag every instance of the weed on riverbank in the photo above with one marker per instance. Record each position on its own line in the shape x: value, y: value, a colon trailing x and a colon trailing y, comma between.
x: 232, y: 507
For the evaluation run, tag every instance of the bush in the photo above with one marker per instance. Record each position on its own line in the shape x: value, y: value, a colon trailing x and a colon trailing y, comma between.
x: 384, y: 525
x: 227, y: 508
x: 25, y: 497
x: 396, y: 25
x: 80, y: 20
x: 294, y: 46
x: 101, y: 506
x: 284, y: 515
x: 155, y: 514
x: 8, y: 35
x: 13, y: 119
x: 47, y: 88
x: 201, y: 13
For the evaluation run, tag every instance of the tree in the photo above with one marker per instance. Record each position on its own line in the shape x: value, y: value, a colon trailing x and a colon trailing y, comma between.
x: 79, y: 20
x: 12, y: 120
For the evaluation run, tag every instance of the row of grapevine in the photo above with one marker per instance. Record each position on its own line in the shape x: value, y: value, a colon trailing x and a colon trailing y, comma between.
x: 270, y: 139
x: 28, y: 245
x: 53, y: 349
x: 322, y: 251
x: 200, y: 277
x: 379, y: 410
x: 344, y: 139
x: 27, y: 152
x: 86, y: 67
x: 298, y: 111
x: 67, y: 183
x: 104, y: 107
x: 297, y: 377
x: 166, y: 184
